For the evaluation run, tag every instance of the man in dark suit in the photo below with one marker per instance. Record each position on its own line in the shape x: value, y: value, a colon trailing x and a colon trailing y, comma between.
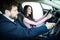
x: 10, y: 27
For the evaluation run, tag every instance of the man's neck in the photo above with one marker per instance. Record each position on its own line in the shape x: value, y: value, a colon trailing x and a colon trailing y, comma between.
x: 7, y: 16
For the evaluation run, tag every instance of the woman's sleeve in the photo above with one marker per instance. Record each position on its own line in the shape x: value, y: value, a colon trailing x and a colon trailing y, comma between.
x: 29, y: 21
x: 33, y: 22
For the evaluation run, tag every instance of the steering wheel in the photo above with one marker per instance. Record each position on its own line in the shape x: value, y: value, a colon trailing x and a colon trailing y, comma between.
x: 56, y: 29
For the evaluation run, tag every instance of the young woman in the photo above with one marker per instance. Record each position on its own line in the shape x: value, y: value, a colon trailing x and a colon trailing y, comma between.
x: 28, y: 19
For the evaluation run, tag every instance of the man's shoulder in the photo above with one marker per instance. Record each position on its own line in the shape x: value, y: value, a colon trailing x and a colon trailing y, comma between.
x: 1, y: 15
x: 3, y: 18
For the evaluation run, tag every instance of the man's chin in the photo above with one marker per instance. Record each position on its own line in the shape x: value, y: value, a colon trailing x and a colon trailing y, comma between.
x: 15, y: 17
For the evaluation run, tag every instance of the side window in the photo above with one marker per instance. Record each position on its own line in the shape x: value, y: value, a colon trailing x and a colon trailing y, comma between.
x: 46, y: 7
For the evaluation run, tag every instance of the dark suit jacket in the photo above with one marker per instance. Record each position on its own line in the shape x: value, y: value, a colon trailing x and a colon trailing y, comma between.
x: 9, y: 29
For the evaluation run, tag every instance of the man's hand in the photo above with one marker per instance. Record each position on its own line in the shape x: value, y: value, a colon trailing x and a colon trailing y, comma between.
x: 49, y: 25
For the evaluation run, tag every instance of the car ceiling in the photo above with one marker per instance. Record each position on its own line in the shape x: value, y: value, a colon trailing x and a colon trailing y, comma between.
x: 53, y: 3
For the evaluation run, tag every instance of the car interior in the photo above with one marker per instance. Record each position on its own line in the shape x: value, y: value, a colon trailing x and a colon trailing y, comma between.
x: 40, y: 7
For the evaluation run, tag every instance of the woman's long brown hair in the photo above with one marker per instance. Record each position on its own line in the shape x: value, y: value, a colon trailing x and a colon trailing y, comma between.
x: 25, y: 12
